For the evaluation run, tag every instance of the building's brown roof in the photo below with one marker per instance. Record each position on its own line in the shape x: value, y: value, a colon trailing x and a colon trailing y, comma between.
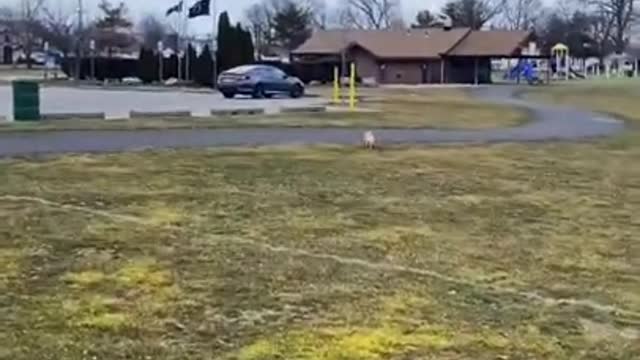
x: 417, y: 43
x: 491, y: 43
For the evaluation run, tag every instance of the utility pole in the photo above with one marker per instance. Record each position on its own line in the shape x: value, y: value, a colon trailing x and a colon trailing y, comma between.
x: 79, y: 40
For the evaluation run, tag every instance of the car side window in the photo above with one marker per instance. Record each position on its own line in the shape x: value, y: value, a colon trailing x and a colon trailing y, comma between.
x: 278, y: 73
x: 265, y: 73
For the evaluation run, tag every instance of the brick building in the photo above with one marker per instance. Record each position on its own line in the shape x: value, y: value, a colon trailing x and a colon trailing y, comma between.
x: 416, y: 56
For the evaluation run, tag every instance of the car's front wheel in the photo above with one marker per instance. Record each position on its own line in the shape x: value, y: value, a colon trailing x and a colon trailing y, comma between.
x: 258, y: 92
x: 297, y: 91
x: 228, y: 94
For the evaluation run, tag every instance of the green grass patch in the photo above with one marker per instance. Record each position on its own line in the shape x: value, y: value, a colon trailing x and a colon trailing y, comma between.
x: 617, y: 97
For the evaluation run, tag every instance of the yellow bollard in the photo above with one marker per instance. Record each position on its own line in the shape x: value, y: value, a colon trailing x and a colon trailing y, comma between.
x: 336, y: 86
x: 352, y: 87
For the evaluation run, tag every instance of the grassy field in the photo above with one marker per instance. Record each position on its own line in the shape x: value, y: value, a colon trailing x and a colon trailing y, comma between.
x: 382, y: 109
x: 333, y: 253
x: 615, y: 96
x: 510, y: 251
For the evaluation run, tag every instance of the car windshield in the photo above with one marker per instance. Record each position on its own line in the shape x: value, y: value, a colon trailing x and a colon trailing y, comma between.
x: 241, y: 70
x: 277, y: 72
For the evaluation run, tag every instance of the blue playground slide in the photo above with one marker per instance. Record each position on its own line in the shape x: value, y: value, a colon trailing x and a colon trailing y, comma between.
x: 526, y: 71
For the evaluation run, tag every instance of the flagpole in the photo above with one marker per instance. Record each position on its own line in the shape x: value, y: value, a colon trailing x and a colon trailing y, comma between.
x: 214, y: 47
x: 185, y: 25
x: 179, y: 43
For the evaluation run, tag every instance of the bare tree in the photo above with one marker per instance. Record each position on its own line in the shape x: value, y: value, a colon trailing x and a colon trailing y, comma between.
x: 600, y: 31
x: 472, y: 13
x: 521, y: 14
x: 58, y: 28
x: 370, y: 14
x: 619, y: 16
x: 567, y: 8
x: 30, y: 13
x: 319, y: 13
x: 261, y: 19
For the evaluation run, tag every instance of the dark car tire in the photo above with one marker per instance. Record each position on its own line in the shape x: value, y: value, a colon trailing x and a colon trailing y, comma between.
x: 268, y: 96
x: 297, y: 91
x: 228, y: 94
x: 258, y: 92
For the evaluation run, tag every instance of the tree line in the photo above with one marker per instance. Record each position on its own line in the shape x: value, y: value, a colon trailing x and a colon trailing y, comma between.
x: 591, y: 27
x: 110, y: 33
x: 275, y: 27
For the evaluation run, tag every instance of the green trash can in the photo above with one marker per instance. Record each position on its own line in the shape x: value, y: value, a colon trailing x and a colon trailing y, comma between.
x: 26, y: 100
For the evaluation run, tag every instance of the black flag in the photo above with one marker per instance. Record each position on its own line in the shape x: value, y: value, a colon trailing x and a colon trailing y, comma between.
x: 201, y: 8
x: 175, y: 9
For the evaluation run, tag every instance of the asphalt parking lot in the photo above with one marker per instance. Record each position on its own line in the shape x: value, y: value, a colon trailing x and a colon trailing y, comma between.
x: 118, y: 103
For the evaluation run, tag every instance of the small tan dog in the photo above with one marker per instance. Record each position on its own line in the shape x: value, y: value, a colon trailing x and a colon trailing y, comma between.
x: 369, y: 140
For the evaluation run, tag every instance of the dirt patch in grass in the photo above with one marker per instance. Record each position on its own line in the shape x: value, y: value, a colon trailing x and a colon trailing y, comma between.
x: 323, y: 253
x: 420, y: 108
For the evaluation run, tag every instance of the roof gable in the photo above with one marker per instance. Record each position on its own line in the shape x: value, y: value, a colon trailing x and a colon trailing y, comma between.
x: 495, y: 43
x: 415, y: 43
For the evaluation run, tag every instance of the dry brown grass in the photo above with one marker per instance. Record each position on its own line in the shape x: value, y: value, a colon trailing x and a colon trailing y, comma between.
x: 323, y: 253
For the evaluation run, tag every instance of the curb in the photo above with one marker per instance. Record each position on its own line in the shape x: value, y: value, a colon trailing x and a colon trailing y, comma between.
x: 303, y: 109
x: 236, y: 112
x: 159, y: 114
x: 138, y: 88
x: 76, y: 116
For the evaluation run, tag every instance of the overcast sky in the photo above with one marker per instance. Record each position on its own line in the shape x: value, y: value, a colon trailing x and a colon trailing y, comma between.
x: 234, y: 7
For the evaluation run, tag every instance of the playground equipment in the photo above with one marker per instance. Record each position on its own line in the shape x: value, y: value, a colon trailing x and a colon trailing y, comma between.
x: 524, y: 69
x: 565, y: 68
x: 560, y: 52
x: 621, y: 65
x: 337, y: 87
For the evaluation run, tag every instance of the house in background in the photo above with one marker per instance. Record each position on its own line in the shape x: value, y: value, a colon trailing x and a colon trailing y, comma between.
x: 416, y: 56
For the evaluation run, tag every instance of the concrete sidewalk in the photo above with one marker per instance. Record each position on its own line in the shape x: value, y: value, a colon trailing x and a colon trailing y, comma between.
x: 119, y: 103
x: 549, y: 123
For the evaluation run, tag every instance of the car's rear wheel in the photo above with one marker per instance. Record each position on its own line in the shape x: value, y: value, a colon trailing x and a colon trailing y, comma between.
x: 258, y: 92
x: 297, y: 91
x: 228, y: 94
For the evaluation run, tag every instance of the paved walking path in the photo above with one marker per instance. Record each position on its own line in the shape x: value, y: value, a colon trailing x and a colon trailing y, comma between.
x: 548, y: 123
